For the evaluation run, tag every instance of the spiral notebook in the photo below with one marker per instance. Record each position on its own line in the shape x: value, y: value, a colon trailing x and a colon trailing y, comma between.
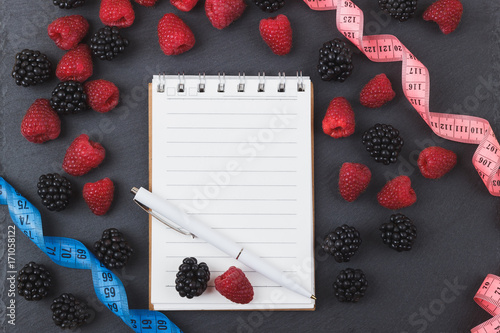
x: 236, y: 151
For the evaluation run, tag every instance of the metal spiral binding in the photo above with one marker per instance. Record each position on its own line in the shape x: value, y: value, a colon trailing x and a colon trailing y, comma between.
x: 181, y: 86
x: 262, y: 82
x: 222, y: 82
x: 161, y: 83
x: 281, y: 86
x: 201, y: 85
x: 241, y: 85
x: 182, y: 80
x: 300, y: 82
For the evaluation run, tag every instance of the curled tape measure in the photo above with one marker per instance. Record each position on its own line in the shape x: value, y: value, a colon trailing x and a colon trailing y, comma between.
x: 488, y: 297
x: 460, y: 128
x: 71, y: 253
x: 416, y: 84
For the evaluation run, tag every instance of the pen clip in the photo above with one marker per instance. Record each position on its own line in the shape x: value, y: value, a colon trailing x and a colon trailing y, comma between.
x: 163, y: 220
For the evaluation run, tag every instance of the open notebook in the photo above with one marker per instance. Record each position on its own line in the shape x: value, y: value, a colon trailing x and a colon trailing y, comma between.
x: 237, y: 152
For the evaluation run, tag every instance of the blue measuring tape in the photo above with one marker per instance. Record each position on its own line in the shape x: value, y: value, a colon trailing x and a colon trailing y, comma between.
x: 71, y: 253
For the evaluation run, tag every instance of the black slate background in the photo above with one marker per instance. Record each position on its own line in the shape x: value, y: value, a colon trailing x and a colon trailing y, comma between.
x: 458, y: 230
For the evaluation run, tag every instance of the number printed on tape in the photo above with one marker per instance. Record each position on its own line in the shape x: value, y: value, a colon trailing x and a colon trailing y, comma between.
x: 488, y: 298
x: 461, y: 128
x: 71, y: 253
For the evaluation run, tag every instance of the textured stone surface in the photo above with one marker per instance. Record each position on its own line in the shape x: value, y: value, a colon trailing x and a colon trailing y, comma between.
x: 458, y: 227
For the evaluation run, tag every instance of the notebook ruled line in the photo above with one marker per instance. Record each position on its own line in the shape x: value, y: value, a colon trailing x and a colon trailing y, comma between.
x: 215, y: 257
x: 208, y: 199
x: 241, y: 162
x: 218, y: 142
x: 219, y: 170
x: 249, y: 228
x: 201, y: 242
x: 227, y: 128
x: 213, y: 286
x: 229, y: 156
x: 228, y: 113
x: 244, y: 270
x: 234, y: 185
x: 246, y: 214
x: 242, y: 99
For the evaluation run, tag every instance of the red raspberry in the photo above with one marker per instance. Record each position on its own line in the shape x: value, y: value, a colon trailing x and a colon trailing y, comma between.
x: 277, y: 33
x: 146, y: 3
x: 99, y: 195
x: 397, y: 193
x: 174, y: 35
x: 446, y: 13
x: 339, y: 119
x: 76, y: 64
x: 40, y: 123
x: 68, y: 31
x: 377, y: 92
x: 82, y: 156
x: 184, y: 5
x: 117, y: 13
x: 222, y: 13
x: 102, y: 95
x: 234, y: 286
x: 353, y: 180
x: 435, y: 162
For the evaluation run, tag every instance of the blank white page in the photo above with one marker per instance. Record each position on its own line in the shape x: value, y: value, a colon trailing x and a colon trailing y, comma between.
x: 241, y: 161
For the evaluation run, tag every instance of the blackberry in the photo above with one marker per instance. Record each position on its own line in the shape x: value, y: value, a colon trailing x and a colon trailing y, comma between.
x: 192, y: 278
x: 112, y: 249
x: 383, y: 143
x: 350, y: 285
x: 33, y: 282
x: 401, y: 10
x: 55, y: 191
x: 335, y: 61
x: 400, y: 233
x: 68, y: 4
x: 342, y: 243
x: 269, y: 5
x: 107, y: 43
x: 69, y: 97
x: 69, y: 312
x: 31, y: 68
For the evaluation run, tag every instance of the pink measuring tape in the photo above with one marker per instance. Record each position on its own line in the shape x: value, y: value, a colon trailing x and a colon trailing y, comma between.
x: 488, y: 297
x: 416, y: 83
x: 460, y: 128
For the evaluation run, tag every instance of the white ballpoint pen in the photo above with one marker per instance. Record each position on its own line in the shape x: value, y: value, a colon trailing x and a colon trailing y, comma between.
x: 159, y: 208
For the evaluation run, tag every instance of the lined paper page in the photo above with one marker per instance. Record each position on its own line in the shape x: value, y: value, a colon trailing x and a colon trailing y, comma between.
x: 241, y: 162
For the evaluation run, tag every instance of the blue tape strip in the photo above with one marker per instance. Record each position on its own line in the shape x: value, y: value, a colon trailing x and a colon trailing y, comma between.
x: 71, y: 253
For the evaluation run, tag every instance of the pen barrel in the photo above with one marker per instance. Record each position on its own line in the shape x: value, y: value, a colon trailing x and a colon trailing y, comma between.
x: 272, y: 273
x: 217, y: 239
x: 188, y: 222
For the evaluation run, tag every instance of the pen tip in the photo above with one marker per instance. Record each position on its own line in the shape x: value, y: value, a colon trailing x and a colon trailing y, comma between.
x: 313, y: 297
